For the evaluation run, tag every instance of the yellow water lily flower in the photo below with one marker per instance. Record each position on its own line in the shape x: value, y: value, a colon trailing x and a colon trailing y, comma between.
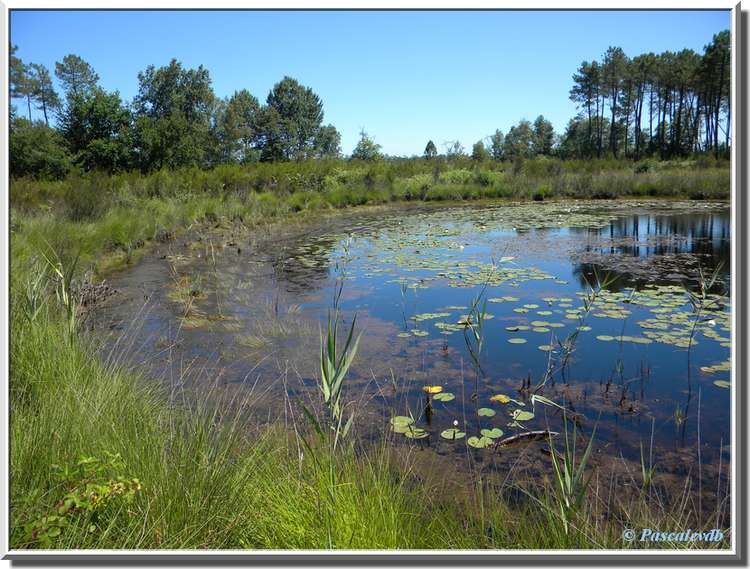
x: 432, y: 389
x: 500, y: 398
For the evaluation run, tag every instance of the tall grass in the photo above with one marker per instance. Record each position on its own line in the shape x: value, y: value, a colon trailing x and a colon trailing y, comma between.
x: 207, y: 476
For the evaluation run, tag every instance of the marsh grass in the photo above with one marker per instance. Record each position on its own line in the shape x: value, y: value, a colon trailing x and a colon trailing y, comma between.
x: 208, y: 477
x: 211, y: 480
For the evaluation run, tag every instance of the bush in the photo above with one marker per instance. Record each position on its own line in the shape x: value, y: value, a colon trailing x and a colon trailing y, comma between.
x: 456, y: 176
x: 86, y: 197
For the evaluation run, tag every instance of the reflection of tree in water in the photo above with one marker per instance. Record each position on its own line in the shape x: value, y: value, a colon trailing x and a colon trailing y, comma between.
x: 660, y: 249
x: 303, y: 263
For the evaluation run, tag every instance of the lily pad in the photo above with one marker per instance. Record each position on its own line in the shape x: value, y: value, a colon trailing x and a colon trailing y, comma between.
x: 486, y: 412
x: 444, y: 397
x: 722, y: 383
x: 479, y: 442
x: 416, y: 433
x: 492, y: 433
x: 500, y: 398
x: 452, y: 434
x: 519, y: 415
x: 605, y: 338
x: 401, y: 420
x: 517, y: 340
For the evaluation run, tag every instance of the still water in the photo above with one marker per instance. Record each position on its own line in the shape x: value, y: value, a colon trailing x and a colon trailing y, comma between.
x: 639, y: 360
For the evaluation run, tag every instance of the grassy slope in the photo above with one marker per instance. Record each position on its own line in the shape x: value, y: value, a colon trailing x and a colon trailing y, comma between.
x: 205, y: 486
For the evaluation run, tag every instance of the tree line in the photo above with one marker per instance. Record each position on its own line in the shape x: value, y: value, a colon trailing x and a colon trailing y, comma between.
x: 668, y: 104
x: 653, y: 105
x: 174, y: 121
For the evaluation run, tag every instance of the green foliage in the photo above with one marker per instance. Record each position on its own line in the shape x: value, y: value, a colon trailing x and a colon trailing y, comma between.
x: 430, y: 151
x: 647, y: 101
x: 172, y: 116
x: 544, y: 137
x: 327, y: 142
x: 42, y: 90
x: 334, y: 366
x: 366, y: 148
x: 571, y: 477
x: 17, y: 74
x: 236, y: 128
x: 519, y: 142
x: 497, y: 141
x: 78, y: 78
x: 210, y: 479
x: 292, y: 119
x: 37, y: 151
x: 91, y: 488
x: 96, y: 130
x: 479, y: 152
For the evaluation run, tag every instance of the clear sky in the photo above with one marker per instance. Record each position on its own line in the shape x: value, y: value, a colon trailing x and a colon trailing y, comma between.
x: 405, y: 77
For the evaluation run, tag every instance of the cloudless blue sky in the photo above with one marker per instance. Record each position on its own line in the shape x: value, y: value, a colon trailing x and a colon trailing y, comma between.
x: 405, y: 77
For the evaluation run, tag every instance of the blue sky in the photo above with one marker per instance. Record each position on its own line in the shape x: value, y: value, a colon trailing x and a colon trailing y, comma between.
x: 405, y: 77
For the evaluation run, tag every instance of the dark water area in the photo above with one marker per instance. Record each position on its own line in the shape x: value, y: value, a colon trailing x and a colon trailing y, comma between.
x: 643, y: 364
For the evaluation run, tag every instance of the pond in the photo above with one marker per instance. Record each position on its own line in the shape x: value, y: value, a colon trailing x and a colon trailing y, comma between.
x: 643, y: 359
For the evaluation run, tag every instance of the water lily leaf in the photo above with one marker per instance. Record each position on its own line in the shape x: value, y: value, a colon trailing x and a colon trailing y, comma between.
x: 722, y: 383
x: 432, y: 389
x: 517, y: 340
x: 444, y: 397
x: 546, y: 347
x: 519, y: 415
x: 479, y: 442
x: 486, y: 412
x: 500, y: 398
x: 416, y: 433
x: 452, y: 434
x: 492, y: 433
x: 401, y: 420
x: 605, y: 338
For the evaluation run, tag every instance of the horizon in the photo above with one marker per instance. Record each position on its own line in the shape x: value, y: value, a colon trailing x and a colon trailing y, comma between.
x: 415, y: 87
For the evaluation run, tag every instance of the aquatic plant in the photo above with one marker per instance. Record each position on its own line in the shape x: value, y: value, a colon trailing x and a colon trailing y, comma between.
x: 334, y: 366
x: 570, y: 475
x: 63, y: 273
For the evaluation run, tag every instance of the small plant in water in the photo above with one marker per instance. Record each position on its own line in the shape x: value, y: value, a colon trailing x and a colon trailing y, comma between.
x: 570, y: 475
x: 334, y: 365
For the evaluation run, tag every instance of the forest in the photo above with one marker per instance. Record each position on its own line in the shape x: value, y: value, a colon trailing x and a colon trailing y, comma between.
x: 660, y: 106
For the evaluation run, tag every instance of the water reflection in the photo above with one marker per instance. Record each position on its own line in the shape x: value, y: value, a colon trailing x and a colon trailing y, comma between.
x: 657, y: 248
x: 410, y: 270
